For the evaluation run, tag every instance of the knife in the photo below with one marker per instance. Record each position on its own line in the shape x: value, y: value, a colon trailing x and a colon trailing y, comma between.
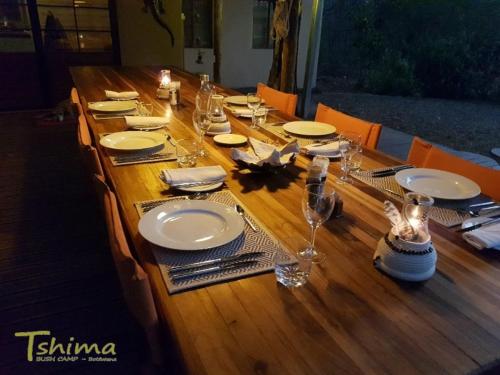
x: 480, y: 225
x: 210, y: 262
x: 141, y: 157
x: 193, y: 184
x: 214, y: 269
x: 390, y: 171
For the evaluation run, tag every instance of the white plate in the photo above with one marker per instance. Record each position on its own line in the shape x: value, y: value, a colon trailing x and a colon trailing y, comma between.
x: 309, y: 128
x: 201, y: 188
x: 132, y: 140
x: 437, y: 184
x: 191, y: 225
x: 113, y: 106
x: 238, y: 100
x: 230, y: 139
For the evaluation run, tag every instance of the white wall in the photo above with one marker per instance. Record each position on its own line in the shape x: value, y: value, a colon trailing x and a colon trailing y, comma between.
x: 242, y: 66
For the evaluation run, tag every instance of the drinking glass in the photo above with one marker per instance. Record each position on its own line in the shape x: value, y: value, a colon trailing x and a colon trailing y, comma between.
x: 260, y: 116
x: 253, y: 102
x: 187, y: 152
x: 318, y: 201
x: 350, y: 149
x: 292, y: 270
x: 202, y: 122
x: 145, y: 109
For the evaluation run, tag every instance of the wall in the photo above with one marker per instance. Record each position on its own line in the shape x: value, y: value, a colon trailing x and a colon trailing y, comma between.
x: 143, y: 41
x: 242, y: 66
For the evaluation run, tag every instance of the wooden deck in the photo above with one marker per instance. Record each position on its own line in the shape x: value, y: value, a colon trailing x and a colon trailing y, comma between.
x: 56, y: 272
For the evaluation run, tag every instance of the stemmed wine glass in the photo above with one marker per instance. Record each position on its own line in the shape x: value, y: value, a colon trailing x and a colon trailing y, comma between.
x: 350, y: 148
x: 318, y: 202
x: 253, y: 102
x: 202, y: 122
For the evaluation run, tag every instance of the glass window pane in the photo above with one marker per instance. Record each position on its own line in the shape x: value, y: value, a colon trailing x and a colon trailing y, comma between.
x: 55, y: 2
x: 92, y: 19
x: 60, y: 40
x: 197, y: 23
x: 55, y: 18
x: 93, y: 3
x: 262, y: 22
x: 93, y: 41
x: 14, y: 16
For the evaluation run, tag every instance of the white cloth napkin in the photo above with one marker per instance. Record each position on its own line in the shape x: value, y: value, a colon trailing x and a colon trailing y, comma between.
x: 329, y: 149
x: 124, y: 95
x: 240, y: 111
x: 482, y: 238
x: 219, y: 128
x: 145, y: 121
x: 261, y: 153
x: 191, y: 175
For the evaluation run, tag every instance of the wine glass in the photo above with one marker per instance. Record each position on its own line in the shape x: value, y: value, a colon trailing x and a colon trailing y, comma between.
x: 202, y: 122
x: 253, y: 102
x: 350, y: 148
x: 318, y: 202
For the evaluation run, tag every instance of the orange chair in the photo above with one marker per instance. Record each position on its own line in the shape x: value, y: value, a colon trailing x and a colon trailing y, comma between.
x: 84, y: 137
x: 424, y: 155
x: 92, y: 161
x: 75, y: 98
x: 134, y: 281
x: 286, y: 103
x: 369, y: 132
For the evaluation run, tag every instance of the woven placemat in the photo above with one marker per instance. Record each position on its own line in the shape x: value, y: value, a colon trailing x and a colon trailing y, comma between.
x: 167, y: 153
x: 249, y: 241
x: 447, y: 213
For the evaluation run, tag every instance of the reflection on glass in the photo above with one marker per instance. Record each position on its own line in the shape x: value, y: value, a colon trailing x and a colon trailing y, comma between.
x: 94, y: 41
x: 93, y: 19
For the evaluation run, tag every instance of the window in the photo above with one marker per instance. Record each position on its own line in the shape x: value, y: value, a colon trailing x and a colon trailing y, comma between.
x: 75, y: 25
x: 197, y: 23
x: 262, y: 24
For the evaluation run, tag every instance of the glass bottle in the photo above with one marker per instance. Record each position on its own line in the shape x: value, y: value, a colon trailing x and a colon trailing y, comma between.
x: 204, y: 93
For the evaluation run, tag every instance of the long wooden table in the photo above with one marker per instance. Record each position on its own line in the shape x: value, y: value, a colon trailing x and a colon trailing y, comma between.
x: 349, y: 318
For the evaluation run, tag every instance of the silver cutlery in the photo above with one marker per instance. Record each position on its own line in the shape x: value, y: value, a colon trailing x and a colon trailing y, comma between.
x: 214, y: 269
x: 195, y: 184
x: 276, y: 123
x: 483, y: 211
x: 170, y: 140
x: 241, y: 211
x: 125, y: 158
x: 225, y: 260
x: 481, y: 204
x: 393, y: 192
x: 389, y: 171
x: 479, y: 225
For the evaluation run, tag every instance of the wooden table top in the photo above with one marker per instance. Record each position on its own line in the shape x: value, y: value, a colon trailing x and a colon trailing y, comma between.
x: 349, y: 318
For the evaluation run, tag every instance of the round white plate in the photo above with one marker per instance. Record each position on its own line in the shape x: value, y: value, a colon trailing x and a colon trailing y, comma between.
x: 201, y: 188
x: 309, y: 128
x: 238, y: 100
x: 132, y: 140
x: 191, y: 225
x: 230, y: 139
x: 113, y: 106
x: 437, y: 184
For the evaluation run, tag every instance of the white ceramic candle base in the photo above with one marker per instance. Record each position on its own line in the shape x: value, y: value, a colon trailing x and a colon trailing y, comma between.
x: 405, y: 260
x: 163, y: 93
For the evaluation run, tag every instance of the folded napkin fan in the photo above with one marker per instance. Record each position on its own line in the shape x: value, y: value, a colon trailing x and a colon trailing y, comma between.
x: 145, y: 121
x: 191, y: 175
x: 483, y: 238
x: 124, y: 95
x: 261, y: 153
x: 328, y: 149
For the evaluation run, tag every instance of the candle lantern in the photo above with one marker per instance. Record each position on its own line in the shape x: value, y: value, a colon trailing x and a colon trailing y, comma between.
x: 407, y: 252
x: 163, y: 91
x: 216, y: 108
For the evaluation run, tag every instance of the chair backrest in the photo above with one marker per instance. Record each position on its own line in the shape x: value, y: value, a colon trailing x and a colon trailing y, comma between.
x: 134, y: 281
x: 282, y: 101
x: 92, y: 161
x: 84, y: 137
x: 419, y: 151
x: 488, y: 179
x: 369, y: 132
x: 75, y: 98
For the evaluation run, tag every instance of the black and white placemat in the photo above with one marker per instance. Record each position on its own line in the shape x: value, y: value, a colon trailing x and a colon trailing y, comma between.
x: 447, y: 213
x: 248, y: 241
x: 167, y: 153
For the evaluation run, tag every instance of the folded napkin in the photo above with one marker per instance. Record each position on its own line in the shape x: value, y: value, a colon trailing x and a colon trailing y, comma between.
x: 240, y: 111
x: 328, y: 149
x: 191, y: 175
x: 145, y: 121
x: 124, y: 95
x: 483, y: 238
x: 219, y: 128
x: 261, y: 153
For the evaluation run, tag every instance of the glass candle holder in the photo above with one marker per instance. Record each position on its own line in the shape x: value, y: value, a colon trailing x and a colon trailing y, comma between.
x: 416, y: 209
x: 165, y: 79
